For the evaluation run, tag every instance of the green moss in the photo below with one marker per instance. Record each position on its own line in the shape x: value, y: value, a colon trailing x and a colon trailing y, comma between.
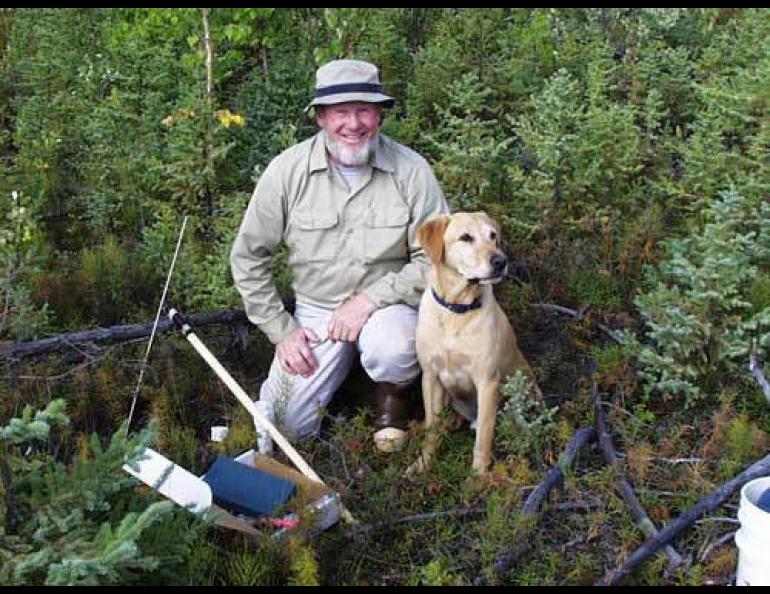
x: 591, y: 287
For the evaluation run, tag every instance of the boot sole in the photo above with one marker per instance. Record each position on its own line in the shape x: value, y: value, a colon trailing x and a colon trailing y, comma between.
x: 390, y: 439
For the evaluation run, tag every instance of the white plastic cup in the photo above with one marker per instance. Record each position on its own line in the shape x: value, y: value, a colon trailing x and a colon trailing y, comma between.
x: 753, y: 538
x: 219, y: 433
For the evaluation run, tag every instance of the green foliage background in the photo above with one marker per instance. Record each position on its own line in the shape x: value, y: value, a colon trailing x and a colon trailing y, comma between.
x: 624, y: 150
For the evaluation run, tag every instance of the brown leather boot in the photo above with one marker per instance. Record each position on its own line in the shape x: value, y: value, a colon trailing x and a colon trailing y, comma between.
x: 393, y: 415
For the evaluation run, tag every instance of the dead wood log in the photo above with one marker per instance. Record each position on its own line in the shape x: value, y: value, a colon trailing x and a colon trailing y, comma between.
x: 578, y: 315
x: 556, y: 475
x: 626, y: 490
x: 112, y: 334
x: 707, y: 504
x: 506, y: 559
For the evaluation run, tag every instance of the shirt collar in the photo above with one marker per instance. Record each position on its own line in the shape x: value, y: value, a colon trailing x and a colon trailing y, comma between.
x: 319, y: 160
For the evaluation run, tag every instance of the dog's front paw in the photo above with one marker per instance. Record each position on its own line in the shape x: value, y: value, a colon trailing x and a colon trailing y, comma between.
x: 480, y: 466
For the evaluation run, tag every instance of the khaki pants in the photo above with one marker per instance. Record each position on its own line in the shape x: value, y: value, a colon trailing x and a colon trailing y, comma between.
x: 387, y: 350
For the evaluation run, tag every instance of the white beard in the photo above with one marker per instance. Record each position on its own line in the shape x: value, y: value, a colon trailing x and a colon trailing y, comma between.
x: 348, y: 156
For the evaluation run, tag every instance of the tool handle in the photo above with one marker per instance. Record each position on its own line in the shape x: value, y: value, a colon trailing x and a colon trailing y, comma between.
x: 180, y: 322
x: 241, y: 395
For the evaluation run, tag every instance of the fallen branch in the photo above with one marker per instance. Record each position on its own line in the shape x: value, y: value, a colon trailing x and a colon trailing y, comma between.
x: 727, y: 519
x: 626, y: 490
x: 556, y: 475
x: 755, y: 367
x: 111, y: 334
x: 578, y: 315
x: 707, y: 504
x: 672, y: 461
x: 90, y: 361
x: 360, y: 530
x: 506, y: 559
x: 723, y: 540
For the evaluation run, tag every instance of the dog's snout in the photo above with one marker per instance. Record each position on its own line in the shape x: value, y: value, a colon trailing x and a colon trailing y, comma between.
x: 498, y: 262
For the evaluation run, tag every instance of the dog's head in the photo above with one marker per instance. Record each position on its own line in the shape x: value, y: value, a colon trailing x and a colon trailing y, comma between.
x: 468, y: 243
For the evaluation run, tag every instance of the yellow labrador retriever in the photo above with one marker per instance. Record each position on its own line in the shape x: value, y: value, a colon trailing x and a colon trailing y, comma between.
x: 465, y: 344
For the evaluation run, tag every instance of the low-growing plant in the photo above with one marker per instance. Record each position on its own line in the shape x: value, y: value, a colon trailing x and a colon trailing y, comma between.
x: 524, y: 423
x: 439, y: 572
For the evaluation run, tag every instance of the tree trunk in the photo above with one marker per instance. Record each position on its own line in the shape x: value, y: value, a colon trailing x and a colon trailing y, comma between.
x: 208, y: 149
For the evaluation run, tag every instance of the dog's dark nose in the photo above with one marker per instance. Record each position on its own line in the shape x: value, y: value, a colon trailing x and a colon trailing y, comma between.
x: 498, y: 262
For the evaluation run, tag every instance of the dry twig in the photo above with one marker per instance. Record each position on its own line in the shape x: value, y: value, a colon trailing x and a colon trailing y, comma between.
x: 577, y: 315
x: 707, y: 504
x: 506, y: 559
x: 360, y: 530
x: 724, y: 539
x: 626, y: 490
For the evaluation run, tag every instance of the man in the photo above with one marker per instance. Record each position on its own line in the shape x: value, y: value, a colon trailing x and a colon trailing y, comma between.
x: 347, y: 203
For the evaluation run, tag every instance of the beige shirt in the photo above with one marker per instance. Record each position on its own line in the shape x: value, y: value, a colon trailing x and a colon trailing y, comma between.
x: 339, y: 241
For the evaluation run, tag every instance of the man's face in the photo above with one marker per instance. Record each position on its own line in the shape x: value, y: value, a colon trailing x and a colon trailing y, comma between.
x: 351, y: 130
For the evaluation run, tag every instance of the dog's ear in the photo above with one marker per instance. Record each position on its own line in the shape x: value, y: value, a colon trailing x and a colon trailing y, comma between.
x: 431, y: 237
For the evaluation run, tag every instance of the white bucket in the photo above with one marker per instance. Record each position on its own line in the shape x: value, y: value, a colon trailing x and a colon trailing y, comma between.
x: 753, y: 538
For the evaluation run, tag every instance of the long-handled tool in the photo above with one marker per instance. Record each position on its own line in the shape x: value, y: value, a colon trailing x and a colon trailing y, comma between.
x: 190, y: 491
x: 246, y: 401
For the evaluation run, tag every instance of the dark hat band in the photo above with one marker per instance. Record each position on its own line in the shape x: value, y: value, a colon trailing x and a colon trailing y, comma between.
x: 349, y: 88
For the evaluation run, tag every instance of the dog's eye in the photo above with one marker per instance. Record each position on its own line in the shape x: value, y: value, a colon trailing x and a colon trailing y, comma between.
x: 466, y: 237
x: 493, y: 236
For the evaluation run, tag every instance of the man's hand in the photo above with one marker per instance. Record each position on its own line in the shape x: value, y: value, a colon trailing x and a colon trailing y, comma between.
x: 294, y: 352
x: 350, y: 317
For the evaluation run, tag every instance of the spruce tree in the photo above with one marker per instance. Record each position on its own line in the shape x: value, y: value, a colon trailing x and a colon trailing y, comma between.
x: 63, y: 524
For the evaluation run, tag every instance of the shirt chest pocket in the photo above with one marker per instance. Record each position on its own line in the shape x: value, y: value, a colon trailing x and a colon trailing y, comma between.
x: 314, y: 236
x: 385, y: 235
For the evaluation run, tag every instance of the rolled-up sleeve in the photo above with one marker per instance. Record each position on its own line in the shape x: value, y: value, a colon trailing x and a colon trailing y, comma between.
x: 426, y: 200
x: 260, y: 233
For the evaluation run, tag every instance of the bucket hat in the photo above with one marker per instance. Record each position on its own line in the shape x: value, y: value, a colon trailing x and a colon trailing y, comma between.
x: 341, y: 81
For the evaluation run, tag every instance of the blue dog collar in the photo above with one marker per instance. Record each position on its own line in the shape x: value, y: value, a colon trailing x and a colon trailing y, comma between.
x: 458, y: 308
